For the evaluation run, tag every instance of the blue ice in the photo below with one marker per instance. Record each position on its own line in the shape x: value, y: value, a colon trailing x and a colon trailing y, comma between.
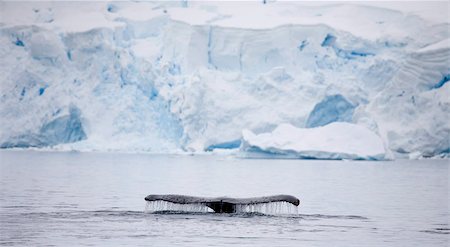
x: 334, y: 108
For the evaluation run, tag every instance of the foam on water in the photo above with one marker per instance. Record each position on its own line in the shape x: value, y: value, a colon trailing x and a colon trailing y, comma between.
x: 272, y: 208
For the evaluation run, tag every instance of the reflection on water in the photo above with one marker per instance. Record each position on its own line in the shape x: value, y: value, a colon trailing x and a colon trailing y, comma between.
x: 98, y: 199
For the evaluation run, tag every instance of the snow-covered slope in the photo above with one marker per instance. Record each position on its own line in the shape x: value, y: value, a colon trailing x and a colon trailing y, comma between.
x: 190, y: 76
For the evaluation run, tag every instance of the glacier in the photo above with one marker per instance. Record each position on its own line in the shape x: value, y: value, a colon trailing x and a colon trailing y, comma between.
x: 183, y: 77
x: 63, y: 129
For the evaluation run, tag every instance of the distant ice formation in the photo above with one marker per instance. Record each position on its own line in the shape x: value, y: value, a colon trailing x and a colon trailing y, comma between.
x: 190, y: 77
x: 333, y: 141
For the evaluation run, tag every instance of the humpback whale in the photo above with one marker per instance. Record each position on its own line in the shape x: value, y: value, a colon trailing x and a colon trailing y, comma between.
x: 223, y: 204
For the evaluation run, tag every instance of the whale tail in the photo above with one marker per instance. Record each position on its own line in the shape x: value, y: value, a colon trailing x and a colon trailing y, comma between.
x: 223, y: 204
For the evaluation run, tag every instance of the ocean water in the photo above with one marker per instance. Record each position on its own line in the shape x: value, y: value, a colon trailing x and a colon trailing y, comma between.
x: 97, y: 199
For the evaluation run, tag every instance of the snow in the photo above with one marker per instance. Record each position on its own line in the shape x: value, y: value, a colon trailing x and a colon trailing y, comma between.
x: 190, y: 76
x: 332, y: 141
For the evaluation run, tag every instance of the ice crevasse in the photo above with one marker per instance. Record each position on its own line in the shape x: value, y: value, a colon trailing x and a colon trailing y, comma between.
x: 142, y: 77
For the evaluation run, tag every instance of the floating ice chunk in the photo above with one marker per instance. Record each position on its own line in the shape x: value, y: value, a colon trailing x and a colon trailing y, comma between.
x: 333, y: 141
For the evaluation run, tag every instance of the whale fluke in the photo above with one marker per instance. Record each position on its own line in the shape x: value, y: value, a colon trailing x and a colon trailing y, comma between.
x: 223, y: 204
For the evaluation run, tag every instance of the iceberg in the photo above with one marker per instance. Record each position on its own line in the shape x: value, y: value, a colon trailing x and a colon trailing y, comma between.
x: 336, y: 140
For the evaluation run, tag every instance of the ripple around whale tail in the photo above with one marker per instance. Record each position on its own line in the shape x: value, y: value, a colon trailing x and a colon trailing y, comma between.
x: 271, y: 208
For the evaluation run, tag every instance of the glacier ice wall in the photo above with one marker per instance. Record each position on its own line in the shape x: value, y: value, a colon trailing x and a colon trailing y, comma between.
x: 155, y: 82
x: 63, y: 129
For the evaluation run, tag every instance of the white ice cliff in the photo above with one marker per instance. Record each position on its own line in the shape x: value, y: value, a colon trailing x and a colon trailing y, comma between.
x: 191, y: 76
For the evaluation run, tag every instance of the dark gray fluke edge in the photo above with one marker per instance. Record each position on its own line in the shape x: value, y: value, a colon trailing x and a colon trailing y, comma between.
x: 223, y: 204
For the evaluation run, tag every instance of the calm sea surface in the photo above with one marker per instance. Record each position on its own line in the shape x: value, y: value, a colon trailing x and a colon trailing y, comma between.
x: 95, y: 199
